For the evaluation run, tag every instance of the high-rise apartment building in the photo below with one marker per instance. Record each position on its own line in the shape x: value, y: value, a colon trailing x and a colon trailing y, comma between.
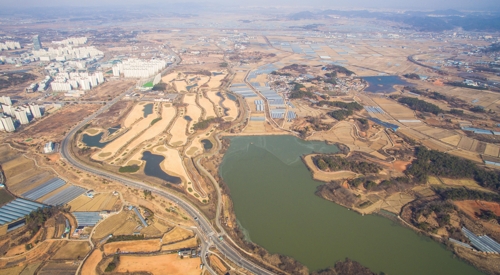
x: 6, y: 100
x: 36, y: 43
x: 22, y: 116
x: 35, y: 110
x: 8, y: 124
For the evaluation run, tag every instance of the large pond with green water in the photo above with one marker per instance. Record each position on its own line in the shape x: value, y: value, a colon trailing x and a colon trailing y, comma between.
x: 274, y: 201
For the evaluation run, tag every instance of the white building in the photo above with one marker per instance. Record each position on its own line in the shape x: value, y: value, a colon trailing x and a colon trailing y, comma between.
x: 67, y: 82
x: 48, y: 148
x: 139, y: 68
x: 72, y: 41
x: 21, y: 116
x: 10, y: 45
x: 67, y: 53
x: 8, y: 124
x: 35, y: 110
x: 8, y: 109
x: 6, y: 100
x: 116, y: 71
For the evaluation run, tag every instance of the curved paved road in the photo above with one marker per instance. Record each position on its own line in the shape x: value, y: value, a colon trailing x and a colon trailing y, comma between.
x: 208, y: 233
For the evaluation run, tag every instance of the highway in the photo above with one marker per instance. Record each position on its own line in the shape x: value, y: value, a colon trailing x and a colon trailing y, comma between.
x: 208, y: 235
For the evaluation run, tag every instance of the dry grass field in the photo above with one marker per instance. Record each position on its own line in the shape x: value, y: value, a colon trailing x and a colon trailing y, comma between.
x: 111, y: 224
x: 58, y: 268
x: 192, y: 242
x: 100, y: 202
x: 177, y: 234
x: 141, y: 246
x: 159, y: 264
x: 90, y: 264
x: 217, y: 264
x: 12, y: 270
x: 72, y: 250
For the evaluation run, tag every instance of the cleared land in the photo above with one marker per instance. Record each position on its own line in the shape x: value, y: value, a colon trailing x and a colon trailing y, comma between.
x: 471, y: 207
x: 140, y: 246
x: 159, y: 265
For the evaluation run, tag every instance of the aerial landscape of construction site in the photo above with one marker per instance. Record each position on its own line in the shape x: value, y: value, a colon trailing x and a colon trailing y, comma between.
x: 267, y: 143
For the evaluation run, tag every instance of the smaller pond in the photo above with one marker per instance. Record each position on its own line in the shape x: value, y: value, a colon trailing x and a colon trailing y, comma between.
x: 153, y: 168
x: 207, y: 144
x: 94, y: 141
x: 113, y: 129
x: 191, y: 86
x: 148, y: 109
x: 232, y: 97
x: 383, y: 84
x: 188, y: 118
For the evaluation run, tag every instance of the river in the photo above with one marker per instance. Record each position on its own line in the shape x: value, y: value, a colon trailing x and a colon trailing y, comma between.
x: 274, y: 201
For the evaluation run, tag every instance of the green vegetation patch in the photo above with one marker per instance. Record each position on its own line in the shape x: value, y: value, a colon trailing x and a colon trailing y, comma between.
x: 337, y: 163
x: 346, y: 109
x: 155, y: 120
x: 420, y: 105
x: 121, y: 238
x: 148, y: 85
x: 129, y: 169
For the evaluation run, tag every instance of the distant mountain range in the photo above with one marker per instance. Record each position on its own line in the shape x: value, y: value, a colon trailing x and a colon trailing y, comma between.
x: 439, y: 20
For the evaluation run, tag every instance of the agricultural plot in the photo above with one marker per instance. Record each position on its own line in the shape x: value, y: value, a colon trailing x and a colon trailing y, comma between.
x: 192, y: 110
x: 111, y: 224
x: 159, y: 264
x: 394, y: 109
x: 255, y: 127
x: 56, y: 268
x: 176, y: 235
x: 140, y: 246
x: 72, y: 250
x: 90, y: 264
x: 492, y: 150
x: 29, y: 183
x: 100, y: 202
x: 192, y: 242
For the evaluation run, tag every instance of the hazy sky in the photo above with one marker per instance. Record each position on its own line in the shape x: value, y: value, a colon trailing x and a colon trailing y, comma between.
x: 413, y: 4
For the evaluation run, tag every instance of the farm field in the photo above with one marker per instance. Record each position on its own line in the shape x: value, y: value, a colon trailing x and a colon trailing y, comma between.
x: 72, y: 250
x: 140, y: 246
x: 159, y: 264
x: 192, y: 242
x: 177, y: 234
x: 100, y: 202
x: 56, y: 268
x: 90, y: 264
x: 111, y: 224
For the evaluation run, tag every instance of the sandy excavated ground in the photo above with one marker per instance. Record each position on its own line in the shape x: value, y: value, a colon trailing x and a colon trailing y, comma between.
x: 178, y: 131
x: 159, y: 265
x: 135, y: 114
x: 192, y: 110
x: 167, y: 115
x: 215, y: 81
x: 172, y: 163
x: 90, y: 265
x: 207, y: 106
x: 140, y: 246
x: 119, y: 142
x: 215, y: 99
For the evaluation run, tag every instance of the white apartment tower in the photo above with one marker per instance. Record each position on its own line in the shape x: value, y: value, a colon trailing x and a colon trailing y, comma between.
x: 22, y: 116
x: 35, y: 111
x: 6, y: 100
x: 8, y: 124
x: 8, y: 109
x: 116, y: 71
x: 100, y: 77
